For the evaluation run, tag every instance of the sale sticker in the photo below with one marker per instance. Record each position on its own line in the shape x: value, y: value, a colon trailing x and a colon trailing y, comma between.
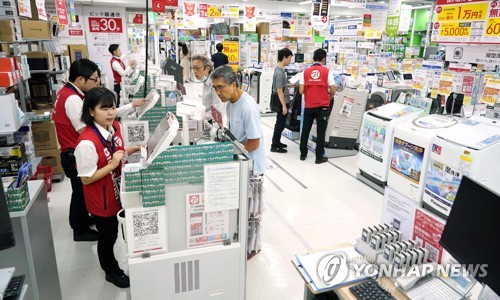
x: 105, y: 25
x: 214, y: 11
x: 462, y: 12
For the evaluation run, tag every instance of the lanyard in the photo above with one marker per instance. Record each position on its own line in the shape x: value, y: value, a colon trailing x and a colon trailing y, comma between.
x: 105, y: 141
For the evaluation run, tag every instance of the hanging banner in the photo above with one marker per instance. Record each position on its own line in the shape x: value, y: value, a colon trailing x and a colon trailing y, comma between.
x: 40, y: 6
x: 158, y: 6
x: 250, y: 19
x: 230, y: 11
x: 486, y: 54
x: 393, y: 15
x: 203, y: 10
x: 350, y: 3
x: 231, y: 49
x: 72, y: 13
x: 405, y: 19
x: 105, y: 26
x: 319, y: 14
x: 475, y: 22
x: 189, y: 11
x: 62, y: 13
x: 214, y: 11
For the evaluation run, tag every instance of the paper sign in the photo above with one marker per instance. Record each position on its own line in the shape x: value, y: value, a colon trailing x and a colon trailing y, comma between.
x: 146, y: 230
x: 491, y: 92
x: 250, y: 19
x: 427, y: 231
x: 399, y: 211
x: 222, y: 186
x: 347, y: 105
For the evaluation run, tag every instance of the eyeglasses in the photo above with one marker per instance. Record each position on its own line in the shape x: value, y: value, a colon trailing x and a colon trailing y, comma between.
x: 93, y: 79
x: 219, y: 88
x: 198, y: 68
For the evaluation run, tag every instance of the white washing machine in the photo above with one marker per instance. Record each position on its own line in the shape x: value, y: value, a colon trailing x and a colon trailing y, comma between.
x: 376, y: 134
x: 469, y: 148
x: 410, y: 154
x: 261, y: 85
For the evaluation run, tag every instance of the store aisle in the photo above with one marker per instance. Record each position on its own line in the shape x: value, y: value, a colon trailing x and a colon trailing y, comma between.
x: 309, y: 207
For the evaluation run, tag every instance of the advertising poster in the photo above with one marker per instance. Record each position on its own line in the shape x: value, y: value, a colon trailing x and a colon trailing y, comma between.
x: 24, y: 8
x: 491, y: 92
x: 406, y: 160
x: 372, y: 139
x: 427, y: 231
x: 320, y: 10
x: 189, y: 12
x: 445, y: 83
x: 393, y: 15
x: 105, y: 26
x: 232, y: 50
x: 146, y: 230
x: 347, y: 105
x: 475, y: 21
x: 62, y: 13
x: 203, y: 10
x: 398, y: 211
x: 378, y: 13
x: 250, y: 19
x: 204, y: 228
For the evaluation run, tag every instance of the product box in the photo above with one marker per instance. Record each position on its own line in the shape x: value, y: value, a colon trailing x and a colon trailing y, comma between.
x: 7, y: 64
x: 7, y: 29
x: 36, y: 29
x: 6, y: 79
x: 40, y: 60
x: 44, y: 135
x: 40, y: 86
x: 13, y: 151
x: 77, y: 52
x: 51, y: 157
x: 9, y: 116
x: 10, y: 166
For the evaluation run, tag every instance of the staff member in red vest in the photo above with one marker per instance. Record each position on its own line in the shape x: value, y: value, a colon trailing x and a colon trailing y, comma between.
x: 119, y: 69
x: 318, y: 87
x: 99, y: 156
x: 83, y: 76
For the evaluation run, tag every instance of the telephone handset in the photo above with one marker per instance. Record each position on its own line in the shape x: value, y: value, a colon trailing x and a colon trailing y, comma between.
x: 407, y: 282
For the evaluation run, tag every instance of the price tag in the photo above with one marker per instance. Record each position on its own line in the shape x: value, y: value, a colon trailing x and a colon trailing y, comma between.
x: 214, y: 11
x: 105, y: 25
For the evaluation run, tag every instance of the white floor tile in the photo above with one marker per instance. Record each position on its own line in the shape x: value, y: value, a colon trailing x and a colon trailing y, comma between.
x: 308, y: 207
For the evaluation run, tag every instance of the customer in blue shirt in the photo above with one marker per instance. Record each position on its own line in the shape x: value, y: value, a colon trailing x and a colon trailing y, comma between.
x: 243, y: 115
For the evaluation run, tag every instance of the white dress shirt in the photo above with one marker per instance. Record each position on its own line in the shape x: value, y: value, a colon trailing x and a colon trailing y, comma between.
x: 86, y: 153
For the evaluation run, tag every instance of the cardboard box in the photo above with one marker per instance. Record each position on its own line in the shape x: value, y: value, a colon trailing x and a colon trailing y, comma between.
x: 36, y: 29
x: 6, y: 79
x: 7, y: 64
x: 7, y: 29
x: 8, y: 38
x: 44, y: 135
x: 51, y: 157
x: 77, y: 52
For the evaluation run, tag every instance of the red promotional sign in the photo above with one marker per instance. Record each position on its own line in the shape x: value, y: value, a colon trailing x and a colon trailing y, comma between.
x: 158, y: 6
x: 203, y: 10
x: 75, y: 32
x: 138, y: 19
x: 427, y: 232
x: 105, y: 25
x: 171, y: 2
x: 441, y: 2
x: 62, y: 13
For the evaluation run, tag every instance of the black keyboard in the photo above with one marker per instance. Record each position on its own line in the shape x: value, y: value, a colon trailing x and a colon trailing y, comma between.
x: 14, y: 288
x: 370, y: 290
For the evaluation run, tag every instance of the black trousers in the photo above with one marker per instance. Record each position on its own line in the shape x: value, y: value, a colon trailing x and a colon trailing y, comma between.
x: 108, y: 233
x: 78, y: 214
x: 320, y: 114
x: 278, y: 128
x: 117, y: 88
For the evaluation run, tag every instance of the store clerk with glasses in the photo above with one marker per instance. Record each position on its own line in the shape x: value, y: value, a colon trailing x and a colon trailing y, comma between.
x: 83, y: 76
x: 202, y: 68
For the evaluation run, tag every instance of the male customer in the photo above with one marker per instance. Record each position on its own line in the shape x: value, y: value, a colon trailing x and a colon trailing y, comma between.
x: 219, y: 58
x: 318, y: 87
x: 243, y: 115
x: 83, y: 76
x: 280, y: 89
x: 118, y: 68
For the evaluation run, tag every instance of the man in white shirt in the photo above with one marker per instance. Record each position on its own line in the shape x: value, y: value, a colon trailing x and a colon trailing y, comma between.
x: 119, y: 69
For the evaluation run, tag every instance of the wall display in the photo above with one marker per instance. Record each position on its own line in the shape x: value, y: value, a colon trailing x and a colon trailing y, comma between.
x: 407, y: 160
x: 486, y: 54
x: 393, y: 16
x: 399, y: 211
x: 204, y: 228
x: 476, y: 22
x: 250, y: 19
x: 68, y: 34
x: 146, y: 230
x: 104, y: 26
x: 372, y: 139
x: 320, y: 10
x: 427, y: 231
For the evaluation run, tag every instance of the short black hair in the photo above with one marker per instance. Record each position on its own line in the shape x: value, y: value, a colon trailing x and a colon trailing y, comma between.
x: 319, y: 55
x: 284, y: 53
x: 113, y: 47
x: 83, y: 67
x: 219, y: 47
x: 185, y: 49
x: 94, y: 97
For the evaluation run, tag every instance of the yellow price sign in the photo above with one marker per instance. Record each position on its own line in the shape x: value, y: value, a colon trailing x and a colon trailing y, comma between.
x: 455, y: 29
x: 493, y: 27
x: 214, y: 11
x: 463, y: 12
x: 371, y: 33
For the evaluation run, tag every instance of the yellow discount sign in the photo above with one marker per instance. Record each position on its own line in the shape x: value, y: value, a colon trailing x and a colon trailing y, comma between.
x: 462, y: 12
x: 371, y: 33
x: 461, y: 29
x: 214, y: 12
x: 493, y: 27
x: 232, y: 50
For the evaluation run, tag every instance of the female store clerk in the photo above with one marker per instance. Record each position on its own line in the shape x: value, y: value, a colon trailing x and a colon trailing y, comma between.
x: 99, y: 156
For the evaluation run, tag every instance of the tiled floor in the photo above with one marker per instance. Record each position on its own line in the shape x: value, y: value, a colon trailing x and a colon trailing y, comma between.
x: 309, y: 207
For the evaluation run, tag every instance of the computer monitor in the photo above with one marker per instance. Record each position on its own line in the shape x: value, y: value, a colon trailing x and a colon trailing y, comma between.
x: 472, y: 232
x: 6, y: 233
x: 407, y: 76
x: 299, y: 57
x: 172, y: 68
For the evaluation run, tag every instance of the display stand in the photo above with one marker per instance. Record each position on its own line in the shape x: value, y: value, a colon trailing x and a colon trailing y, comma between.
x: 34, y: 253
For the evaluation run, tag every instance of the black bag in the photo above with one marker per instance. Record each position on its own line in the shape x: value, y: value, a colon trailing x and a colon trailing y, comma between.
x: 275, y: 103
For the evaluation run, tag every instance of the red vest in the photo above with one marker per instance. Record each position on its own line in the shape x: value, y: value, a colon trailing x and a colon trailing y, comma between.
x: 316, y: 87
x: 102, y: 197
x: 117, y: 77
x: 66, y: 133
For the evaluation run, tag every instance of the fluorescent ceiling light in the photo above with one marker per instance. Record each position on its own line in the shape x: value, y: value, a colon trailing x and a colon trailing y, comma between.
x: 305, y: 2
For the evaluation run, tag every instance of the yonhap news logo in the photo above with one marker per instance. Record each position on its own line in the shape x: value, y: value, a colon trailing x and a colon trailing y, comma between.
x: 333, y: 269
